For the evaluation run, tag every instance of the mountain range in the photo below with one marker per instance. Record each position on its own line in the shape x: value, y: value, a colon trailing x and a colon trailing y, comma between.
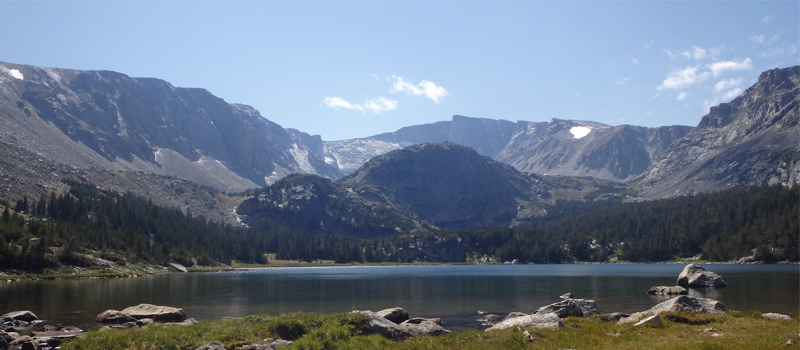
x: 183, y: 147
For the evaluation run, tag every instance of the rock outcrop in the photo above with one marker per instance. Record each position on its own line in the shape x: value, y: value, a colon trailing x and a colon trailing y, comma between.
x: 411, y: 327
x: 547, y: 320
x: 680, y: 304
x: 695, y: 276
x: 667, y: 290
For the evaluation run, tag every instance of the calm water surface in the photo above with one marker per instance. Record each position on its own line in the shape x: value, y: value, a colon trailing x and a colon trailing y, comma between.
x: 453, y: 292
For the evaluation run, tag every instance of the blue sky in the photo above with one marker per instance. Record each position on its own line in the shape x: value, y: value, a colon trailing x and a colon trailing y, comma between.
x: 356, y: 69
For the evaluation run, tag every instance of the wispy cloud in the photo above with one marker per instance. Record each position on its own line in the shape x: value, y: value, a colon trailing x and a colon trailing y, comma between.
x: 779, y: 51
x: 681, y: 96
x: 727, y: 84
x: 683, y: 78
x: 696, y: 52
x: 424, y: 88
x: 718, y: 68
x: 767, y: 19
x: 376, y: 105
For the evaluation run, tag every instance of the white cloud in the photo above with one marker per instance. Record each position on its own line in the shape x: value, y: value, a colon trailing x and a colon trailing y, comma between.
x: 758, y: 38
x: 682, y: 78
x: 634, y: 60
x: 380, y: 105
x: 767, y: 19
x: 376, y: 105
x: 424, y: 88
x: 696, y: 53
x: 681, y: 96
x: 780, y: 51
x: 719, y: 98
x: 718, y: 67
x: 727, y: 84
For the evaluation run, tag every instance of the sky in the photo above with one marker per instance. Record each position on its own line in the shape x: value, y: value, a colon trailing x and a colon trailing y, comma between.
x: 360, y: 68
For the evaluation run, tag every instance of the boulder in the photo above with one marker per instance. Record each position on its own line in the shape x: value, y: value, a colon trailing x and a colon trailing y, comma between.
x: 56, y: 337
x: 156, y: 312
x: 514, y: 314
x: 384, y: 327
x: 696, y: 276
x: 545, y: 320
x: 186, y: 322
x: 395, y: 314
x: 567, y: 295
x: 211, y: 346
x: 681, y: 304
x: 113, y: 316
x: 774, y: 316
x: 8, y: 337
x: 280, y: 342
x: 667, y: 290
x: 22, y: 341
x: 424, y: 326
x: 588, y: 306
x: 654, y: 321
x: 564, y: 308
x: 24, y: 316
x: 617, y: 315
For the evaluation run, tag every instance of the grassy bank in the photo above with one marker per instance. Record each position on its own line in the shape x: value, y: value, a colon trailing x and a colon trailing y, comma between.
x: 348, y: 331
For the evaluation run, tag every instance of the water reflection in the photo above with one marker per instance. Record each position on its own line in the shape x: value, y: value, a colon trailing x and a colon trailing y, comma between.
x: 454, y: 293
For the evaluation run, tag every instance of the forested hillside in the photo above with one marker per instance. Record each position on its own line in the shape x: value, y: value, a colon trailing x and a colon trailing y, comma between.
x: 761, y: 222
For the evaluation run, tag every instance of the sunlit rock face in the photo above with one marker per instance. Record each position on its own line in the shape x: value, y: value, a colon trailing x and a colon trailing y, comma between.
x: 750, y: 141
x: 108, y: 120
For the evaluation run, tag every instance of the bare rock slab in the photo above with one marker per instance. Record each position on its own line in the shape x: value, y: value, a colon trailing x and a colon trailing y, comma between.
x: 156, y: 312
x: 698, y: 277
x: 681, y: 304
x: 546, y: 320
x: 380, y: 325
x: 395, y: 314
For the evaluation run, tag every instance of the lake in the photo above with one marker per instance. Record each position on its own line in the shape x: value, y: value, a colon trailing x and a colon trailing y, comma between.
x: 454, y: 293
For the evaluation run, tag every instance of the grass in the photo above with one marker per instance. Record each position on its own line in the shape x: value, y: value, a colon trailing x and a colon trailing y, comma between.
x: 348, y: 331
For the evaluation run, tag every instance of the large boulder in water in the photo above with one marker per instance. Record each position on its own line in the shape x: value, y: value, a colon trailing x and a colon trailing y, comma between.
x: 667, y: 290
x: 696, y: 276
x: 156, y: 312
x: 680, y: 304
x: 24, y: 316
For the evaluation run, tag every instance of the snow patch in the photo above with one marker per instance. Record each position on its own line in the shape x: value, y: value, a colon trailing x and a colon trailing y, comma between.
x: 16, y: 74
x: 579, y: 131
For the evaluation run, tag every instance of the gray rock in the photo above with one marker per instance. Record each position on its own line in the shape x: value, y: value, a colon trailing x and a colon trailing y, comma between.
x: 774, y: 316
x: 280, y: 342
x: 681, y: 304
x: 548, y: 320
x: 156, y: 312
x: 514, y: 314
x: 588, y: 306
x: 654, y: 321
x: 395, y: 314
x: 564, y: 308
x: 126, y: 325
x: 8, y: 336
x: 211, y: 346
x: 25, y: 339
x: 696, y: 276
x: 384, y: 327
x: 25, y: 316
x: 178, y: 267
x: 566, y: 295
x: 667, y: 290
x: 617, y: 315
x: 113, y: 316
x: 424, y: 326
x: 55, y: 338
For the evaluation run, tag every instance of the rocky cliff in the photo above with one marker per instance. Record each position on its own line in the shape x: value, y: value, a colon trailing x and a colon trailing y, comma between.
x: 110, y: 121
x: 558, y: 147
x: 751, y: 141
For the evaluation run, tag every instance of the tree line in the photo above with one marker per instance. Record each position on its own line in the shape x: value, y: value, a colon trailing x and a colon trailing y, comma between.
x: 60, y: 229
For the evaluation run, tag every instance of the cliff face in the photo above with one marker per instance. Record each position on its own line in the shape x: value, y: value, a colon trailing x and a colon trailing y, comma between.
x: 558, y: 147
x: 107, y: 120
x: 750, y: 141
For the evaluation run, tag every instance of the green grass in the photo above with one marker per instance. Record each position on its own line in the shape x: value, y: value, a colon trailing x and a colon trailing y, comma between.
x: 347, y: 331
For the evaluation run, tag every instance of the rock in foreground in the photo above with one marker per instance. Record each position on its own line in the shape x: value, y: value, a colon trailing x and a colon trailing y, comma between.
x: 680, y: 304
x: 157, y: 313
x: 547, y: 320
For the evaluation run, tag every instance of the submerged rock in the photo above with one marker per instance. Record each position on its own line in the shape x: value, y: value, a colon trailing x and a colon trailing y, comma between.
x: 667, y: 290
x: 696, y: 276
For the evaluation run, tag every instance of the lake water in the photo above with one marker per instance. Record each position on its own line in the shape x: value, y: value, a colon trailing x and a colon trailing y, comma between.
x: 454, y: 293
